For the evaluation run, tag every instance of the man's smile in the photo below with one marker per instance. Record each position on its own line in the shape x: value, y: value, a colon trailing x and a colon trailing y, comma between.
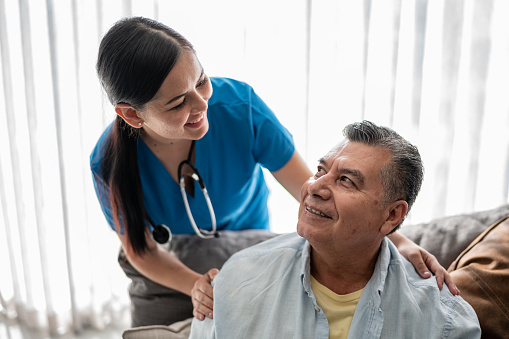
x: 317, y: 212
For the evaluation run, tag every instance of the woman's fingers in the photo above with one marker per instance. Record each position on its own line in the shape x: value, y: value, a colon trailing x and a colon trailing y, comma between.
x: 202, y: 295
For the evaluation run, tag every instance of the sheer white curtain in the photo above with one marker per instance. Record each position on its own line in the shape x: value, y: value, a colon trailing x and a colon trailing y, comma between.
x: 433, y: 70
x: 437, y: 71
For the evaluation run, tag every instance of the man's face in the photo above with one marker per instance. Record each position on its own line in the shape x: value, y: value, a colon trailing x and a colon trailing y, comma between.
x: 341, y: 205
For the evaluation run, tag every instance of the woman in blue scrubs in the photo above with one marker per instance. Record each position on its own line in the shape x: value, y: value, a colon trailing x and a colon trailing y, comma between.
x: 169, y: 110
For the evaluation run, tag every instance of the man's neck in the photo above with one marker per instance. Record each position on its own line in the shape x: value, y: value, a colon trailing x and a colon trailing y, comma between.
x: 343, y: 274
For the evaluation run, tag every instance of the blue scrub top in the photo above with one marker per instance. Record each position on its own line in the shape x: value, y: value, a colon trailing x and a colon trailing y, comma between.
x: 243, y: 135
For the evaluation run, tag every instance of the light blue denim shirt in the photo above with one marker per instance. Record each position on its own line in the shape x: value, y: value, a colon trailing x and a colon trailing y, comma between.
x: 265, y: 292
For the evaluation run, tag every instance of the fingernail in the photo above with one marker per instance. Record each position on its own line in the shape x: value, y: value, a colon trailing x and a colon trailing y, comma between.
x: 210, y: 314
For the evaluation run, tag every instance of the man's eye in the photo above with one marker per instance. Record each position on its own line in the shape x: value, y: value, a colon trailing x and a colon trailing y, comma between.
x: 346, y: 180
x: 320, y: 171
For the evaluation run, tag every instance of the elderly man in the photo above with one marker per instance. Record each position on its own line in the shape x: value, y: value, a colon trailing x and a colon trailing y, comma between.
x: 340, y: 276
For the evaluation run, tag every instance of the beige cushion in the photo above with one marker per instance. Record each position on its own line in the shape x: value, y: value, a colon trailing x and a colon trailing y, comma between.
x: 179, y: 330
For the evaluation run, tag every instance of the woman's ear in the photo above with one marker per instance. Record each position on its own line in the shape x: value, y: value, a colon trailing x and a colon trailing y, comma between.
x: 395, y: 213
x: 129, y: 114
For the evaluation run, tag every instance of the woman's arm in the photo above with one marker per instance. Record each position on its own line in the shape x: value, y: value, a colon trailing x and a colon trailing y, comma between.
x: 293, y: 175
x: 160, y: 266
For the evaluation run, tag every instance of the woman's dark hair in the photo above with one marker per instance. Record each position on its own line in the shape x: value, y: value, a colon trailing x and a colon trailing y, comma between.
x: 135, y: 56
x: 402, y: 177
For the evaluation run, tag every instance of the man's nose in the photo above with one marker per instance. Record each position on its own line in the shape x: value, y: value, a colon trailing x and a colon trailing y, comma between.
x: 320, y: 187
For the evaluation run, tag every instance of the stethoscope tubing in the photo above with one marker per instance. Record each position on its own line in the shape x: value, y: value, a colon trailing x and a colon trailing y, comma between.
x: 162, y: 233
x: 204, y: 234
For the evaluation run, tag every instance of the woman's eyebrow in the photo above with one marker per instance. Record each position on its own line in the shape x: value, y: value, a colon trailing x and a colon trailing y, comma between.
x: 176, y: 98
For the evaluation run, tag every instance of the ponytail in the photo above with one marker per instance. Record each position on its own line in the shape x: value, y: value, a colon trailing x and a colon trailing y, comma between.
x: 120, y: 172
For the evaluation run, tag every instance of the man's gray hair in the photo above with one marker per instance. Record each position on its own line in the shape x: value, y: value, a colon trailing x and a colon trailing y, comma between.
x: 402, y: 178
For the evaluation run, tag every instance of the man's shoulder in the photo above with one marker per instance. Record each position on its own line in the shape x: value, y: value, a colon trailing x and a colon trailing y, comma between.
x: 430, y: 310
x: 401, y: 272
x: 284, y: 242
x: 279, y: 253
x: 266, y: 281
x: 402, y: 278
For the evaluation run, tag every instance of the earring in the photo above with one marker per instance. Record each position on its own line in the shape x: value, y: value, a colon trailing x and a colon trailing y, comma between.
x: 139, y: 124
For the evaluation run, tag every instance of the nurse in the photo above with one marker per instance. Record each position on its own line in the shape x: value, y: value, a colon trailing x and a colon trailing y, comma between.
x: 169, y: 110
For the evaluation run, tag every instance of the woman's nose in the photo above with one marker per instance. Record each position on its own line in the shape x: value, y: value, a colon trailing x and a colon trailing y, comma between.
x: 200, y: 104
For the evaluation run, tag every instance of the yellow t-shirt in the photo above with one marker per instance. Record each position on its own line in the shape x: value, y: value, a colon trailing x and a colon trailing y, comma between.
x: 338, y: 309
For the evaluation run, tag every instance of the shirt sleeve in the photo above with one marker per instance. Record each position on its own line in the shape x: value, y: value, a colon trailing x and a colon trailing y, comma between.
x: 102, y: 192
x: 273, y: 146
x: 204, y: 329
x: 462, y: 323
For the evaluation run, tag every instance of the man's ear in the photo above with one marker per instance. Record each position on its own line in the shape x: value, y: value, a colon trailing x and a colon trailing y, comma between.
x: 129, y: 114
x: 394, y: 214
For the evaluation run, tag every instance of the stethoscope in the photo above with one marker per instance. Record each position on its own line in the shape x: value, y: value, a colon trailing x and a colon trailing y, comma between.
x: 162, y: 233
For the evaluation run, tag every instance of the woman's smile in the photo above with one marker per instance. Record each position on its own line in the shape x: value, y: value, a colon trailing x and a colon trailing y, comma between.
x: 196, y: 123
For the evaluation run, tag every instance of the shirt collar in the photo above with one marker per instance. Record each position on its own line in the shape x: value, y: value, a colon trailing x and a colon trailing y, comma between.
x: 305, y: 268
x: 375, y: 285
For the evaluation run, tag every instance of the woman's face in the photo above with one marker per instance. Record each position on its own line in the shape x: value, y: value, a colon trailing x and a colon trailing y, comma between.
x: 178, y: 111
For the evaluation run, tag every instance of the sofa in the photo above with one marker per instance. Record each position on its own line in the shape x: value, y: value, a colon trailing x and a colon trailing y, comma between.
x: 473, y: 246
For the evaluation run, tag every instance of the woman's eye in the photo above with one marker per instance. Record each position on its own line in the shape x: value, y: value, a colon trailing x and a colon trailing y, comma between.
x: 202, y: 82
x: 179, y: 106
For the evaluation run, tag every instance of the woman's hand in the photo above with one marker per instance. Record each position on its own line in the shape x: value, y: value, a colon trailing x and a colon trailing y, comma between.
x: 202, y: 295
x: 423, y: 261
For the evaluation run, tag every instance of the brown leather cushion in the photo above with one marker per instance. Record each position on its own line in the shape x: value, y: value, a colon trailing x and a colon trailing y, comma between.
x: 447, y: 237
x: 481, y: 272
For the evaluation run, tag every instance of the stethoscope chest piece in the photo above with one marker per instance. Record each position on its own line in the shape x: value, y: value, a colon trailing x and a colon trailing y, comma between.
x: 162, y: 234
